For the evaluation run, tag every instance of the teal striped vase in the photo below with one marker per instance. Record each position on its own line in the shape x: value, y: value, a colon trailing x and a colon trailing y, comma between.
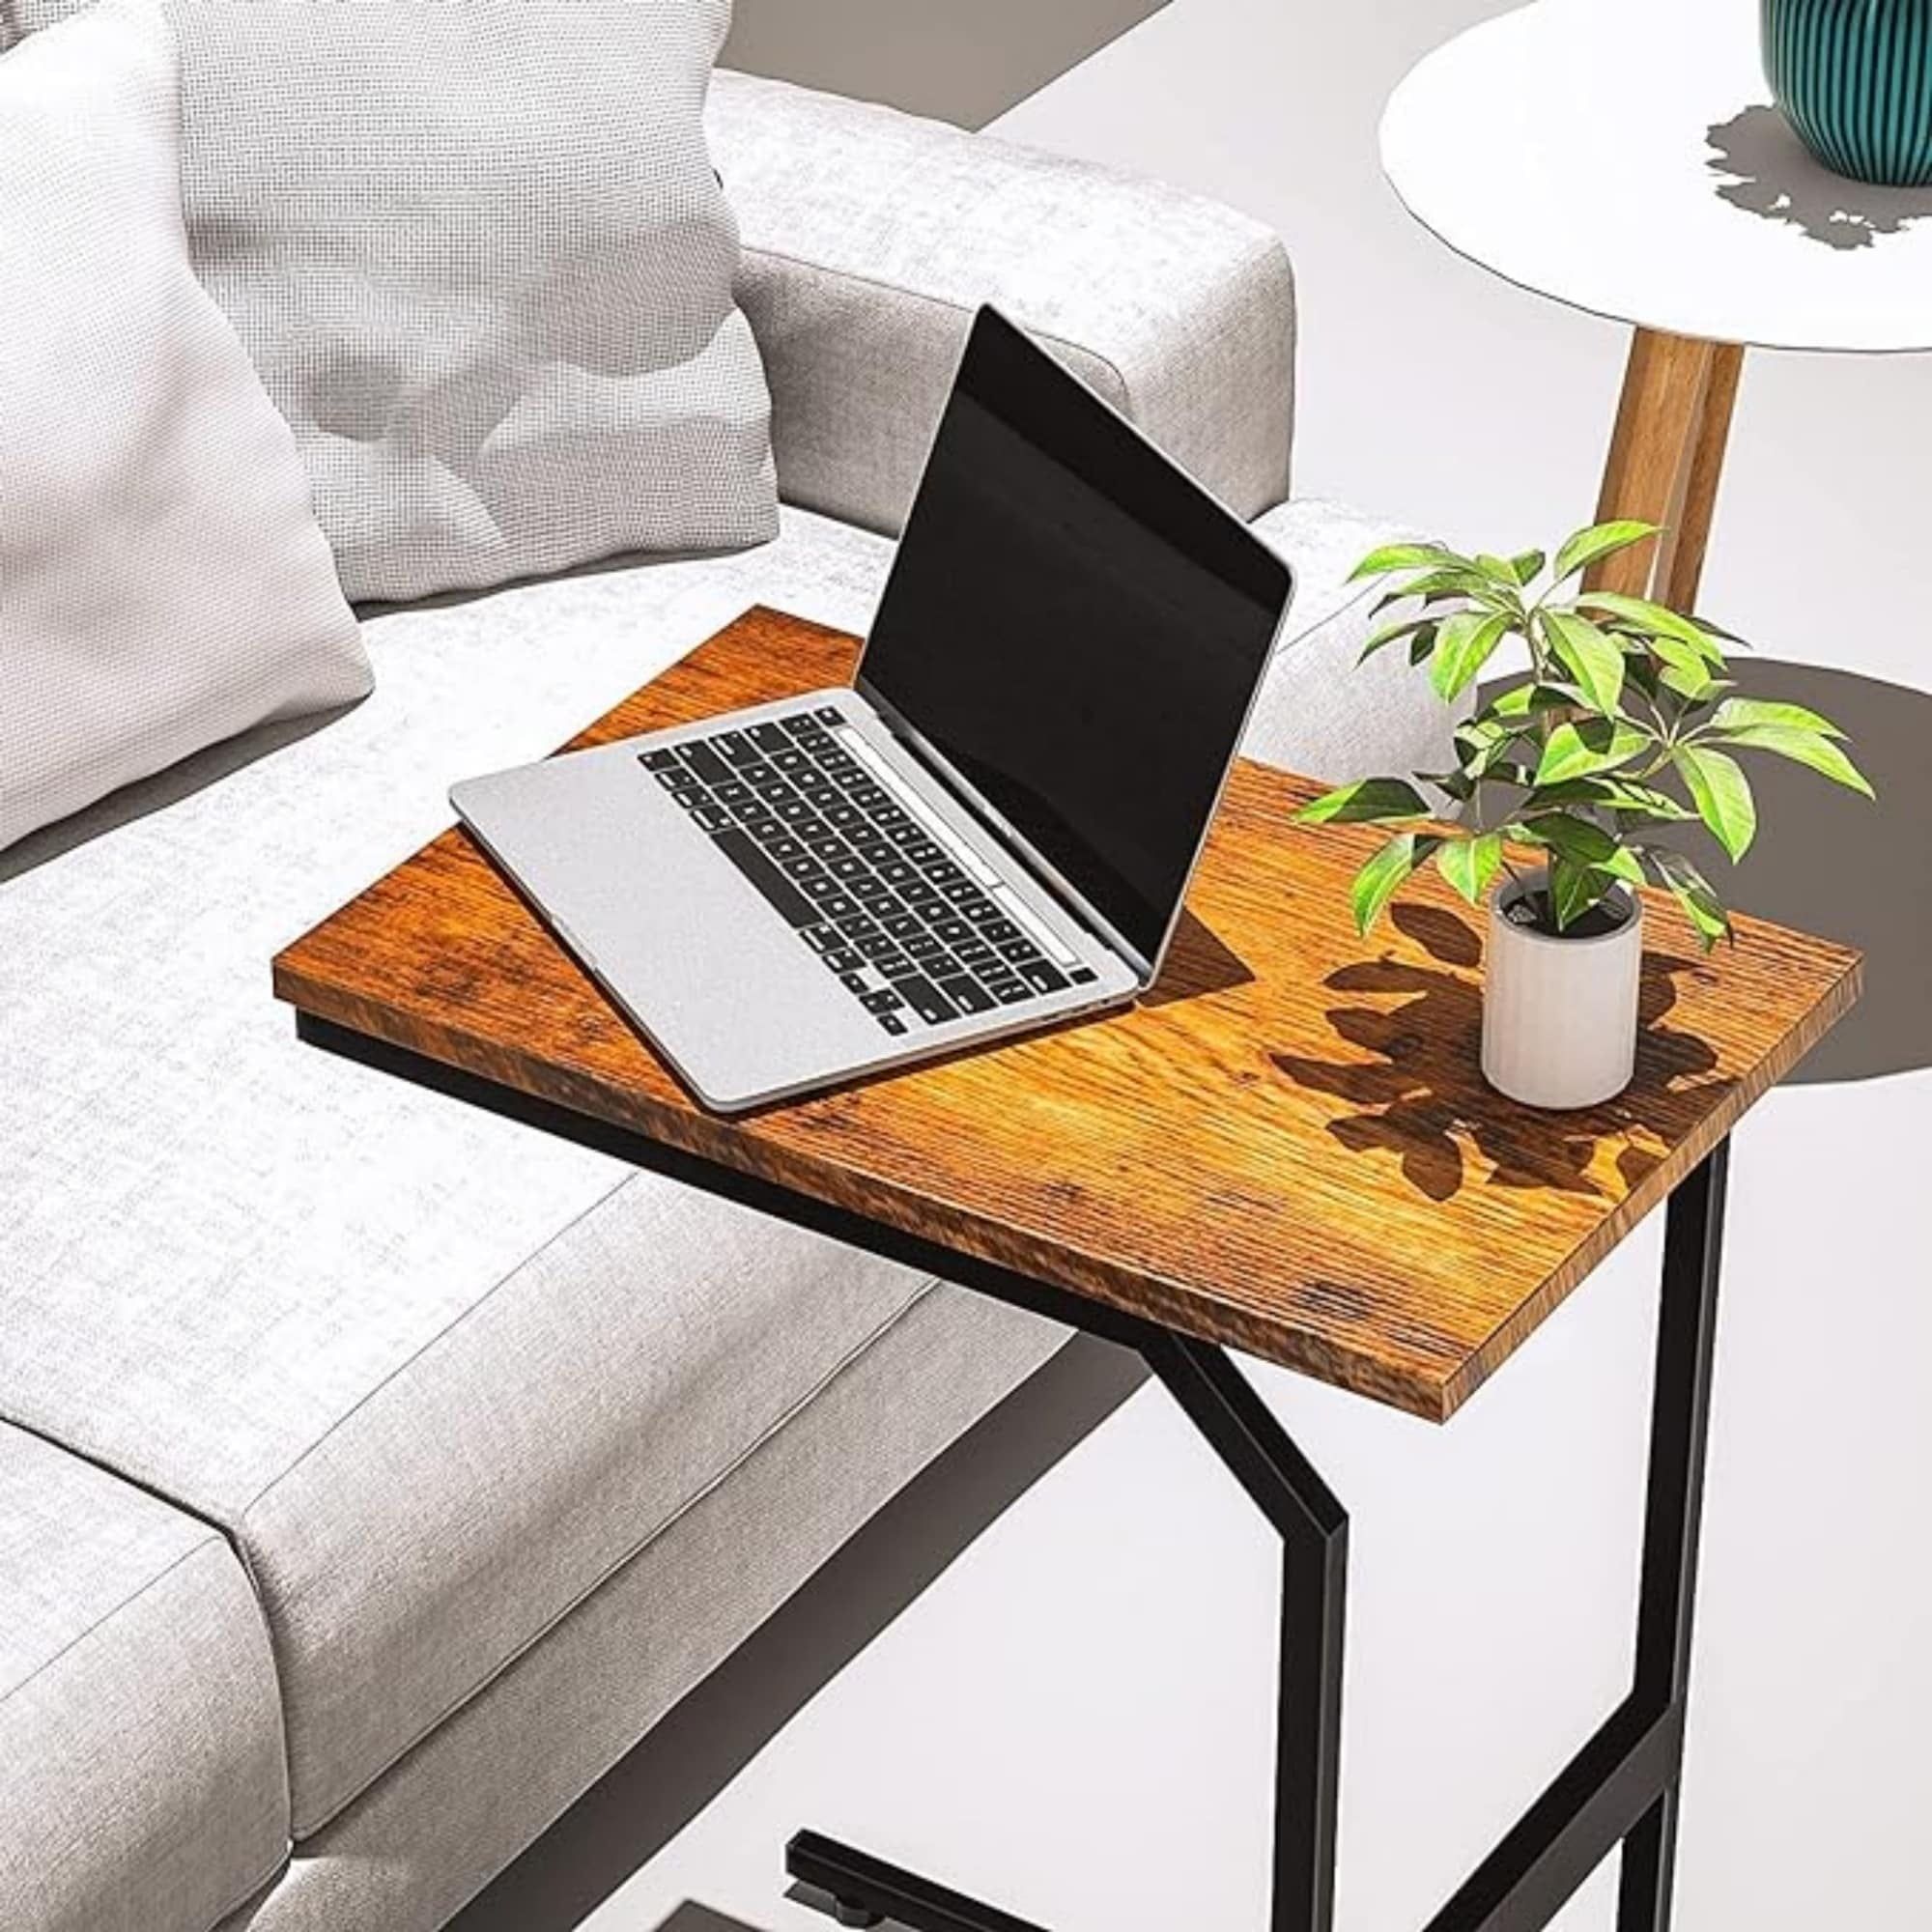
x: 1854, y: 77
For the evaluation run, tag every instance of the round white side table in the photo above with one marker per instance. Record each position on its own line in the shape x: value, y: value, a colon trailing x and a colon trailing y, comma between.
x: 1624, y: 157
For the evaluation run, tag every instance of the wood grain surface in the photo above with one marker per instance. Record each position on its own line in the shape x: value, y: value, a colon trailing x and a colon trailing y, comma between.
x: 1288, y: 1146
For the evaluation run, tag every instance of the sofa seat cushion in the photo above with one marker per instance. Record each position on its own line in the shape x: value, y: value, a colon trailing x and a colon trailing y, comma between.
x: 141, y: 1782
x: 437, y: 1374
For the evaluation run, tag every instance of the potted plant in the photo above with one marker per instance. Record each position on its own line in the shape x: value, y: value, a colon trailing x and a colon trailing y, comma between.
x: 1626, y: 725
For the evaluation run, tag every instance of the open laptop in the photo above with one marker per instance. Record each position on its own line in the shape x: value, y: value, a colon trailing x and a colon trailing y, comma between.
x: 991, y: 831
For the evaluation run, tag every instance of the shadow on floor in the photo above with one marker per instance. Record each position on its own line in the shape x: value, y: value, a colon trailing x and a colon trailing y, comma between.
x: 1833, y: 863
x: 622, y: 1821
x: 689, y: 1918
x: 964, y: 64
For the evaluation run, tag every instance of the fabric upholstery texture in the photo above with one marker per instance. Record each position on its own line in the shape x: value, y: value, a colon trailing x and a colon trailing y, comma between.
x: 870, y: 236
x: 141, y: 1782
x: 482, y: 262
x: 458, y: 1807
x: 244, y: 1274
x: 1322, y: 712
x: 152, y: 602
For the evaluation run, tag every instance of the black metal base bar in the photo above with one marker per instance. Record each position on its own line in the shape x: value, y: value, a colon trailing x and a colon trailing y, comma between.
x: 866, y: 1890
x: 1622, y: 1788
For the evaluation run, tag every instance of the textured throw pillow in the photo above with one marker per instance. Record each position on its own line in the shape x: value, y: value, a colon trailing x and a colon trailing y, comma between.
x: 480, y: 258
x: 162, y: 582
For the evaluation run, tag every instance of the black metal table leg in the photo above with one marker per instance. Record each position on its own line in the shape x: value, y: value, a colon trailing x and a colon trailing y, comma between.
x: 1621, y: 1789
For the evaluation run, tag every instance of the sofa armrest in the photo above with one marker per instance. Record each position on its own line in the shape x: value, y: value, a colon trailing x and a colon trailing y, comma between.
x: 1320, y: 712
x: 871, y: 236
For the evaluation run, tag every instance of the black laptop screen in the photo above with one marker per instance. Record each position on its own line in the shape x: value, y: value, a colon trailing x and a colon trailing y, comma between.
x: 1075, y: 629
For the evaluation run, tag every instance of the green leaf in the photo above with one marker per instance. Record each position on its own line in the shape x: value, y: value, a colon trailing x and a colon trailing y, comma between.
x: 1573, y: 889
x: 1464, y: 646
x: 1746, y: 712
x: 1528, y: 567
x: 1463, y: 581
x: 1385, y: 874
x: 1577, y: 840
x: 1496, y: 570
x: 1692, y: 891
x: 1581, y: 750
x: 1394, y: 634
x: 1592, y: 657
x: 1366, y: 802
x: 1722, y: 795
x: 1655, y: 621
x: 1600, y: 541
x: 1472, y: 865
x: 1612, y: 794
x: 1803, y: 747
x: 1392, y: 557
x: 1686, y: 670
x: 1526, y: 700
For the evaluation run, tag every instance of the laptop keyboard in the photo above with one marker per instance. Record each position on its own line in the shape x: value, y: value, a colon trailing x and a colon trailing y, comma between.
x: 916, y: 926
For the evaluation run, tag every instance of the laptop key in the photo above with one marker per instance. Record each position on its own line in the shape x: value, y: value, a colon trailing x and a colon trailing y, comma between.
x: 731, y: 793
x: 713, y: 817
x: 820, y: 938
x: 690, y: 797
x: 803, y: 869
x: 770, y: 737
x: 1042, y: 977
x: 877, y: 946
x: 924, y: 947
x: 951, y: 930
x: 743, y: 853
x: 671, y: 777
x: 1010, y: 993
x: 968, y: 995
x: 658, y: 761
x: 735, y: 749
x: 905, y: 926
x: 839, y: 905
x: 984, y: 912
x: 707, y: 764
x: 829, y: 714
x: 926, y: 999
x: 1019, y: 951
x: 819, y: 886
x: 1082, y: 975
x: 842, y: 959
x: 1003, y: 932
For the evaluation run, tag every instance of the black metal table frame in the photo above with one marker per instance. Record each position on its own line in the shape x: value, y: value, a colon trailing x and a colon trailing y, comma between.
x: 1620, y: 1791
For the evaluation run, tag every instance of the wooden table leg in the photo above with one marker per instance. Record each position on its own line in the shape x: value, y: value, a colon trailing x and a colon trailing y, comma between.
x: 1667, y: 460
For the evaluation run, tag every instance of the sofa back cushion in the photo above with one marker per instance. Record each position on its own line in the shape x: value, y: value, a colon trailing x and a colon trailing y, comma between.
x: 162, y: 582
x: 484, y: 267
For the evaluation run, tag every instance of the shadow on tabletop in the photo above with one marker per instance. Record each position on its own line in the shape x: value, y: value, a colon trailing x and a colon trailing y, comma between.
x: 1763, y: 169
x: 708, y: 1738
x: 1425, y: 1096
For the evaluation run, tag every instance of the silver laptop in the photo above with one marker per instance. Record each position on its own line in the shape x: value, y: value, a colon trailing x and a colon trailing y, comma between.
x: 991, y: 831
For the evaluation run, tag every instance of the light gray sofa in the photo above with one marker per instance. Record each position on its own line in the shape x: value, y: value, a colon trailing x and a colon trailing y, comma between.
x: 373, y: 1472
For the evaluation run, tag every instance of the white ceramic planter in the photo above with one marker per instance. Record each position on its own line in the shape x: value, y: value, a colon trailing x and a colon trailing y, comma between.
x: 1560, y: 1015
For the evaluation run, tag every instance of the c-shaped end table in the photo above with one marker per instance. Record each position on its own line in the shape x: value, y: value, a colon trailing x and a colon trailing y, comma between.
x: 1285, y: 1150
